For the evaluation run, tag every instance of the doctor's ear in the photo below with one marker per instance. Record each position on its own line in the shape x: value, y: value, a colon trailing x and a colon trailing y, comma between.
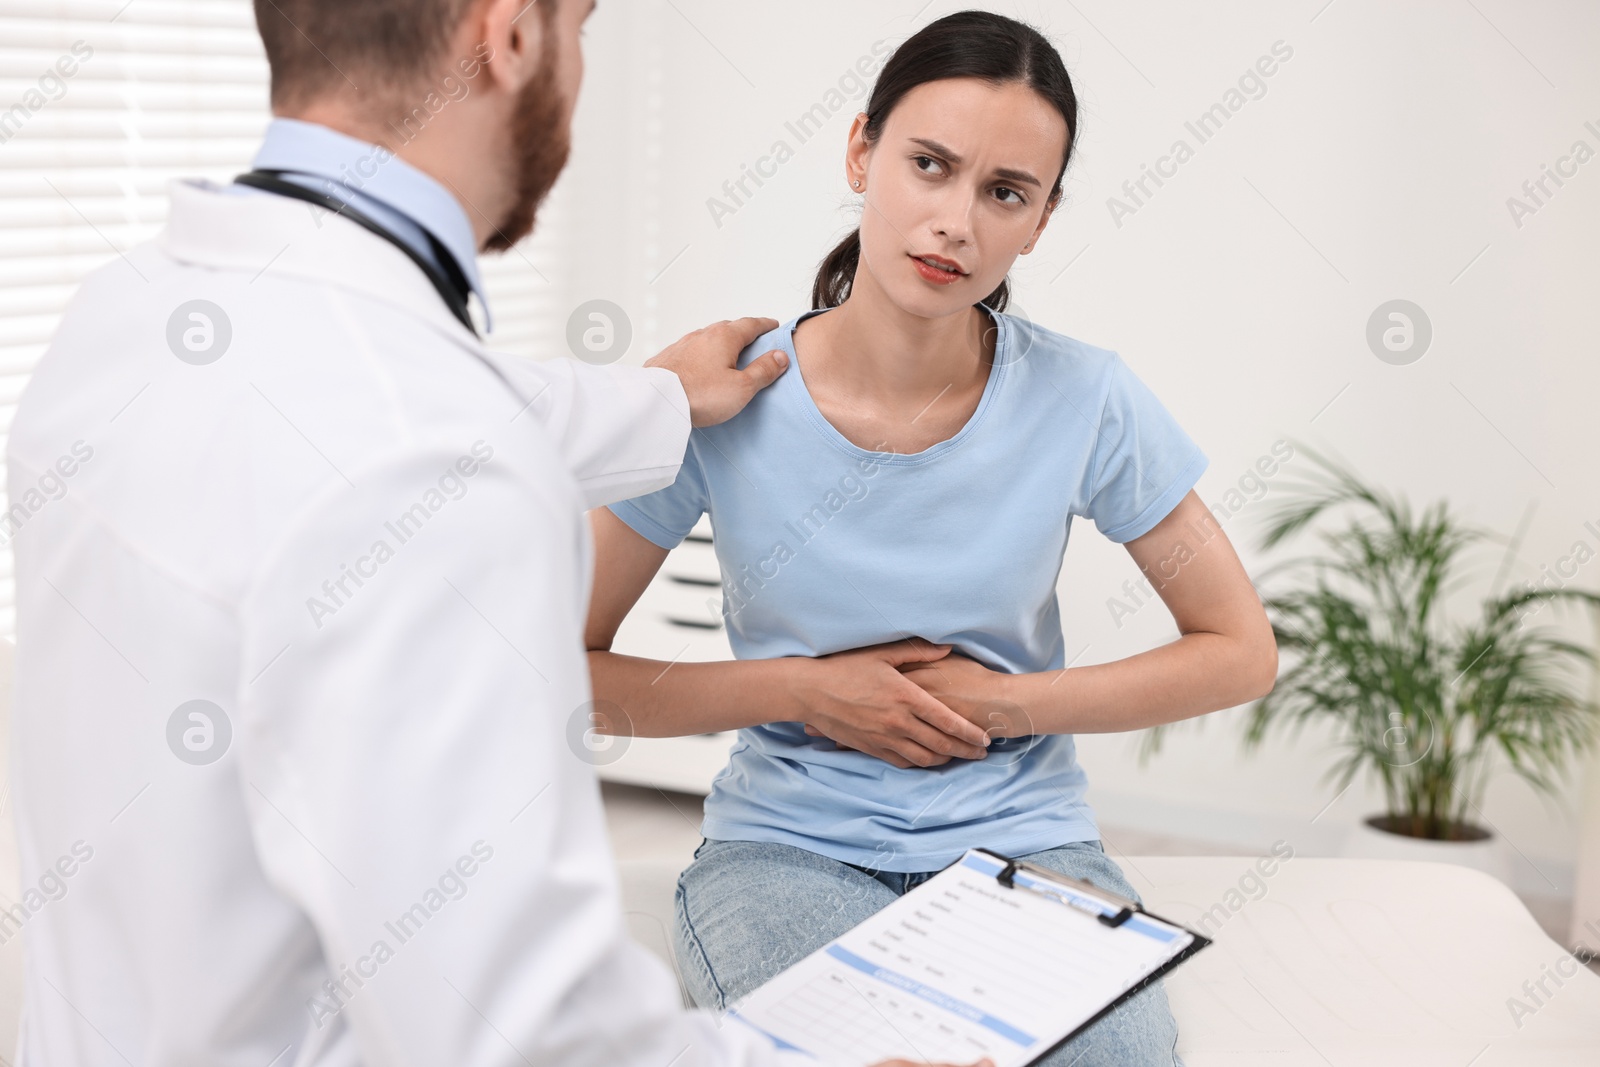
x: 511, y: 33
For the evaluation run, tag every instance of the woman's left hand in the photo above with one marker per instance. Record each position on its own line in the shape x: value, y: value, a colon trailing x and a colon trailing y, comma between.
x: 973, y: 691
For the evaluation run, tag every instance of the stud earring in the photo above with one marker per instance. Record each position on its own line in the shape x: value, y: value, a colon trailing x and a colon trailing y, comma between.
x: 857, y: 184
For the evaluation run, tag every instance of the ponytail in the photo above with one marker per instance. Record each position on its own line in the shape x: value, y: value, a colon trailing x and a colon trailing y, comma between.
x: 838, y: 270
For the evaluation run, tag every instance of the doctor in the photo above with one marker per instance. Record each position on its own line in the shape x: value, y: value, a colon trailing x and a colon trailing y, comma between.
x: 301, y: 574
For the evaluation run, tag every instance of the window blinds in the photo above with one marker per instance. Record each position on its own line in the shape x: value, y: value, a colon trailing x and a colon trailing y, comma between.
x: 102, y: 103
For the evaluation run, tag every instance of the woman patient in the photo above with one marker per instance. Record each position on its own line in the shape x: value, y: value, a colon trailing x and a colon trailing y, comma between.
x: 890, y: 518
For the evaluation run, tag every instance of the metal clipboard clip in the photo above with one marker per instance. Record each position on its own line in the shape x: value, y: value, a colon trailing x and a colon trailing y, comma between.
x: 1120, y: 909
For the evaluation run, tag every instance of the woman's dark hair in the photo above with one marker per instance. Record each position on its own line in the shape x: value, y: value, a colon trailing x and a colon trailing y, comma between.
x: 967, y: 44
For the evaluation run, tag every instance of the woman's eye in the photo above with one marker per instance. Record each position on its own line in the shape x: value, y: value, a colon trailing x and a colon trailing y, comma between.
x: 1016, y: 197
x: 929, y: 160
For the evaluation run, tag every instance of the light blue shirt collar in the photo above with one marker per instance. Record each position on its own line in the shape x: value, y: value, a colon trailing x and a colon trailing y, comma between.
x: 378, y: 183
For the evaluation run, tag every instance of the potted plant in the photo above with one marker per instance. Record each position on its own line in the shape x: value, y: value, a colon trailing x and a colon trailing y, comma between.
x: 1429, y: 706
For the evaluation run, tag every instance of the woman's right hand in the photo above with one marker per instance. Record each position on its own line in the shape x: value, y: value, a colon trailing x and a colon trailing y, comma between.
x: 860, y: 700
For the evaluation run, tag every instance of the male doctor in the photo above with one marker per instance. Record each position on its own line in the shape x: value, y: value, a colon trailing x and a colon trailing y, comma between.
x: 301, y: 574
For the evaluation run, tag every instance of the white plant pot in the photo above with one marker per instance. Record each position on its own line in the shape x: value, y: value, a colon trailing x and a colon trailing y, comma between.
x: 1488, y: 854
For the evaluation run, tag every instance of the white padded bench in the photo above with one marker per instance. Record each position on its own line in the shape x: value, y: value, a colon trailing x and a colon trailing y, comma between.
x: 1339, y: 963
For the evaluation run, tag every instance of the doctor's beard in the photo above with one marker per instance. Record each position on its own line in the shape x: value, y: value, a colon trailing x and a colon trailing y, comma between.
x: 540, y: 141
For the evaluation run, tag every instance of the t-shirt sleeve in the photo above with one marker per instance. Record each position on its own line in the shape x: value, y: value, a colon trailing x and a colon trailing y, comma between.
x: 1143, y: 461
x: 666, y: 516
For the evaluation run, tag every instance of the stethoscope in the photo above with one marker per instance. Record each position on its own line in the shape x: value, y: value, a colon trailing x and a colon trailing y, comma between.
x: 451, y: 283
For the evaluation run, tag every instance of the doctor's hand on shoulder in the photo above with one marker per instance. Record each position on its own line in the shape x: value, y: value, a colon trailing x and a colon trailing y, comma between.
x: 706, y: 362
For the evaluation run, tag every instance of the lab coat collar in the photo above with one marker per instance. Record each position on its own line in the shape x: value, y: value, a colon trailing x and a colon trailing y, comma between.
x: 379, y: 183
x: 274, y: 235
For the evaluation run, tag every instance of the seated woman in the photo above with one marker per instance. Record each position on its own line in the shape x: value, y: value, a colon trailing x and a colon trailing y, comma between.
x: 890, y: 518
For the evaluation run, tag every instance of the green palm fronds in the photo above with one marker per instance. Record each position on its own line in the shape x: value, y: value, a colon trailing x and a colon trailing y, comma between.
x: 1427, y: 706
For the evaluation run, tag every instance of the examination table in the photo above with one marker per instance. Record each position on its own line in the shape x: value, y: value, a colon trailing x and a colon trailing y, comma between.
x: 1338, y: 963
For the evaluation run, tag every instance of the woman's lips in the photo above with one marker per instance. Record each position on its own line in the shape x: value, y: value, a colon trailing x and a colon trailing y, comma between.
x: 934, y: 274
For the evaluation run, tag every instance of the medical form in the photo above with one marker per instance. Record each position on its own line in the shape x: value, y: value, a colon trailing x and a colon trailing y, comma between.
x: 989, y: 957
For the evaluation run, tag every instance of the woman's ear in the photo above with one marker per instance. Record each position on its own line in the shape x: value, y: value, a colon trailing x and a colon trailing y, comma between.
x: 855, y: 155
x: 1049, y: 209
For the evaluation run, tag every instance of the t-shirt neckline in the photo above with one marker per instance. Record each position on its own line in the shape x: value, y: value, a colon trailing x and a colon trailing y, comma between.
x: 831, y: 434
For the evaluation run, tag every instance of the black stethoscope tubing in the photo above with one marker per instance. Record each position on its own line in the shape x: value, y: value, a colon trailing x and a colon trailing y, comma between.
x: 452, y: 288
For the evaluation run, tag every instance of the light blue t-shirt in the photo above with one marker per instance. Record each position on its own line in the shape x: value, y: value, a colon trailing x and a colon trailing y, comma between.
x: 827, y: 546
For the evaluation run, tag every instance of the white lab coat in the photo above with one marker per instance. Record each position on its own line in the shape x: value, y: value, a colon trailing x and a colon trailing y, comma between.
x: 398, y: 857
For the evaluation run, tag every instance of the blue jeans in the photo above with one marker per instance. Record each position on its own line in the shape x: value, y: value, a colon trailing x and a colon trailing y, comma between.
x: 748, y: 909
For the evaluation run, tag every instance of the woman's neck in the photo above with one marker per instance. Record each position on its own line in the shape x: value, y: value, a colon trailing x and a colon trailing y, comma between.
x: 904, y: 380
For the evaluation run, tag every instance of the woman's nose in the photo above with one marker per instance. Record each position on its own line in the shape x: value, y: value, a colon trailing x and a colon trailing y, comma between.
x: 953, y: 220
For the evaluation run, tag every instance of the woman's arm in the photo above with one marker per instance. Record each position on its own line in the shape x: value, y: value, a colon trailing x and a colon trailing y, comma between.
x: 1226, y: 655
x: 859, y: 695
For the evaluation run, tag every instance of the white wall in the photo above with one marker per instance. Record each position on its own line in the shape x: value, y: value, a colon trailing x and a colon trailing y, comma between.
x: 1377, y: 165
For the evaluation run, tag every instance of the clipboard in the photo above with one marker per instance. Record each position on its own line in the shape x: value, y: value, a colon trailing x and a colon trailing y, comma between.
x: 992, y: 956
x: 1117, y: 911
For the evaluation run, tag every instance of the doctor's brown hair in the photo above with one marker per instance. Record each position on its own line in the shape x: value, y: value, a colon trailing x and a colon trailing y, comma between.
x: 378, y: 50
x: 967, y: 44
